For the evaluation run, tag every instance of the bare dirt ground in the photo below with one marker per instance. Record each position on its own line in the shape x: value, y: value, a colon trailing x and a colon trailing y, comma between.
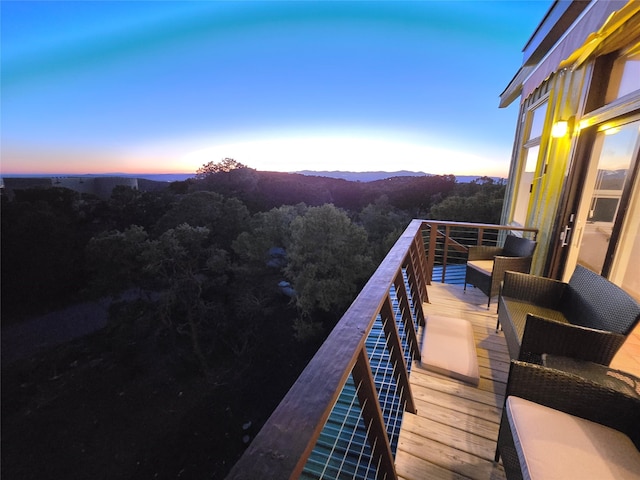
x: 23, y: 339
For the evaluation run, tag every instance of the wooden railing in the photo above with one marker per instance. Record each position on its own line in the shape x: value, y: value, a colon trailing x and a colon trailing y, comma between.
x: 342, y: 416
x: 390, y: 302
x: 447, y: 243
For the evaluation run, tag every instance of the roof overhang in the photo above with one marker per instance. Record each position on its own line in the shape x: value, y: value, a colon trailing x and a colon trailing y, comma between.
x: 603, y: 41
x: 589, y: 26
x: 514, y: 89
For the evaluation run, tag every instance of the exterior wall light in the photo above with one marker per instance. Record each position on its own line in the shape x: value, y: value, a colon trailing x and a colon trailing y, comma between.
x: 559, y: 129
x: 562, y: 128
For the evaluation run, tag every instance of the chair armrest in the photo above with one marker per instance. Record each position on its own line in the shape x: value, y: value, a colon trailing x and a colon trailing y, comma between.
x: 514, y: 264
x: 577, y: 396
x: 542, y: 291
x: 544, y: 335
x: 482, y: 252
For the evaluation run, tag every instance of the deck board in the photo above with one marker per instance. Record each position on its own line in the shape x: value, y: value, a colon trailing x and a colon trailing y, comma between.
x: 453, y: 435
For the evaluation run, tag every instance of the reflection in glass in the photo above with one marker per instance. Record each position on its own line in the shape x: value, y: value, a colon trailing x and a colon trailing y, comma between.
x: 625, y: 76
x: 524, y: 186
x: 614, y: 155
x: 537, y: 122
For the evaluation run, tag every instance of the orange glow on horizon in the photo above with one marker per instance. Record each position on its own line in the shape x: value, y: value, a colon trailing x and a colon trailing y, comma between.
x: 324, y: 153
x: 52, y: 161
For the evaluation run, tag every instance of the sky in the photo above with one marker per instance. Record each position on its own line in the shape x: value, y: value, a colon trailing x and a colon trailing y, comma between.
x: 94, y: 87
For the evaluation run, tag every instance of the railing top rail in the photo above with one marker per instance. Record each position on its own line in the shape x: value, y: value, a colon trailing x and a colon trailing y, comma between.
x: 283, y: 444
x: 479, y: 225
x: 281, y: 448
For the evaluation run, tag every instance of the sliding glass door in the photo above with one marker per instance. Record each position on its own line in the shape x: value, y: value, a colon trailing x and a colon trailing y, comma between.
x: 608, y: 210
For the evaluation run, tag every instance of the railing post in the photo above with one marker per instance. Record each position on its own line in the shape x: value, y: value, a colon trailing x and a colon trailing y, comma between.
x: 413, y: 277
x: 400, y: 371
x: 445, y: 251
x: 284, y: 444
x: 416, y: 292
x: 433, y: 240
x: 419, y: 257
x: 372, y: 414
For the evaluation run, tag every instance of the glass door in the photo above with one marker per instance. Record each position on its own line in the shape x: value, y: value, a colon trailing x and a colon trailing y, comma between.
x: 606, y: 196
x: 624, y: 269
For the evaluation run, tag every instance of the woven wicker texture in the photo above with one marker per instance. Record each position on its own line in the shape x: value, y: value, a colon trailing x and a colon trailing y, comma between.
x: 568, y: 393
x: 595, y: 302
x: 588, y: 318
x: 515, y: 256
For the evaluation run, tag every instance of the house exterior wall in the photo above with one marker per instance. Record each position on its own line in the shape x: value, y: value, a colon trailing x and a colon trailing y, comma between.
x: 568, y: 91
x: 566, y: 94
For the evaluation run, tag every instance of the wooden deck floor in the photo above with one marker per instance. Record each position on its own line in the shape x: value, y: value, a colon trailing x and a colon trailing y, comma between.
x: 453, y: 435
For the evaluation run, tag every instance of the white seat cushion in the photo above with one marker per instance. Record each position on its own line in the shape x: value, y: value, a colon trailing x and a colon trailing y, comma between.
x: 555, y: 445
x: 448, y: 348
x: 485, y: 266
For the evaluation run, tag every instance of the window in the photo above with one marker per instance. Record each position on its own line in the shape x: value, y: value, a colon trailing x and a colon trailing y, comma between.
x: 625, y: 74
x: 530, y: 153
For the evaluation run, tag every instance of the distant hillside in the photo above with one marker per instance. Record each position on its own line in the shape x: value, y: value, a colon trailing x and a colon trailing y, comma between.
x: 361, y: 176
x: 156, y: 177
x: 165, y: 177
x: 349, y: 176
x: 374, y: 176
x: 261, y: 191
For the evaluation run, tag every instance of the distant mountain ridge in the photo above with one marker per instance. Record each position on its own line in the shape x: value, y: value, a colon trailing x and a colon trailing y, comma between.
x: 156, y: 177
x: 361, y: 176
x: 374, y: 176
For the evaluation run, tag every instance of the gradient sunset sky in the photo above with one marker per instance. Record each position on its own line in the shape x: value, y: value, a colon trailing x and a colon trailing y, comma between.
x: 163, y: 87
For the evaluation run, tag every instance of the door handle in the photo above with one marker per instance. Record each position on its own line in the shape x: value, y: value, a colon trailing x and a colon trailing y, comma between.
x: 565, y: 236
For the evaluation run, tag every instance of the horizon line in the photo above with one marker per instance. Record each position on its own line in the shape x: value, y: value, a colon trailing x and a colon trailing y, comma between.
x: 130, y: 174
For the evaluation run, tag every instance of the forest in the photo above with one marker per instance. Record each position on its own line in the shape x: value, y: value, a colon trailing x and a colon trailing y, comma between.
x: 220, y: 289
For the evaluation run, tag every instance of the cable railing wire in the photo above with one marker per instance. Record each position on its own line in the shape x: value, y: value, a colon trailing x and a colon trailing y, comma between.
x: 345, y: 426
x: 354, y: 457
x: 345, y: 440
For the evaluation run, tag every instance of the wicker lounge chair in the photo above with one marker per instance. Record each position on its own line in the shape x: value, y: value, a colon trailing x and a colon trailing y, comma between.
x: 557, y: 424
x: 588, y: 318
x: 486, y: 265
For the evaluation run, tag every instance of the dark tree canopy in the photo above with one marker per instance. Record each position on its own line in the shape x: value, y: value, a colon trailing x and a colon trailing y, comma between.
x: 214, y: 284
x: 224, y: 165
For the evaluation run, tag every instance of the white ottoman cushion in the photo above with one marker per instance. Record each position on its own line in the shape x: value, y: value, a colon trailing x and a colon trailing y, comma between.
x: 448, y: 348
x: 555, y: 445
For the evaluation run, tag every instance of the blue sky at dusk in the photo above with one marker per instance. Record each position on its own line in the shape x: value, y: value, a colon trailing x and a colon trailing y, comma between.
x: 163, y: 87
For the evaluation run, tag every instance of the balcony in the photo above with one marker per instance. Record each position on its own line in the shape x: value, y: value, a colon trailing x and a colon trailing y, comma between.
x: 364, y: 408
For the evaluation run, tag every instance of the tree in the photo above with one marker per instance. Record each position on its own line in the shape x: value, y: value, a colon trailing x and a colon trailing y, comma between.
x: 414, y: 194
x: 128, y: 206
x: 267, y: 230
x: 186, y: 273
x: 115, y: 259
x: 384, y: 223
x: 224, y: 217
x: 328, y: 260
x: 184, y: 267
x: 262, y: 257
x: 475, y: 202
x: 211, y: 168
